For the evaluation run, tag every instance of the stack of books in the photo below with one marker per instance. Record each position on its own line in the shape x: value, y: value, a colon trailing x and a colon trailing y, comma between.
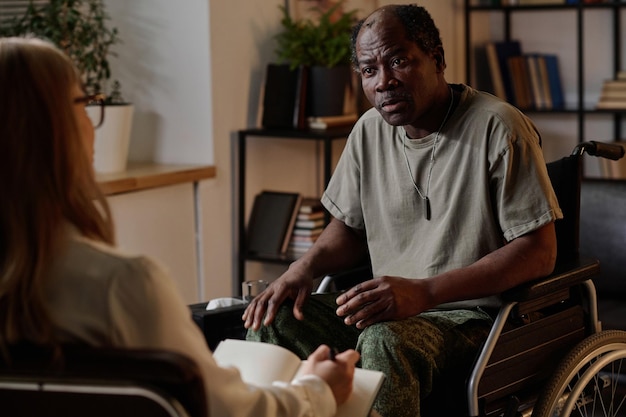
x: 308, y: 226
x: 613, y: 96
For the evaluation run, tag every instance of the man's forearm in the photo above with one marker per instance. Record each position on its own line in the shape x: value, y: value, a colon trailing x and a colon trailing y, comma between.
x: 526, y: 258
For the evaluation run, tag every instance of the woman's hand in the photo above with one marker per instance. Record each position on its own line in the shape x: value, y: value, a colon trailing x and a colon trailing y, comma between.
x: 337, y: 372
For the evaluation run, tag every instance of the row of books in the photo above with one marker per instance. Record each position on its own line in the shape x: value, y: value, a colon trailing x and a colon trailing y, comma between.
x: 613, y: 96
x: 283, y: 223
x: 527, y: 80
x: 535, y: 2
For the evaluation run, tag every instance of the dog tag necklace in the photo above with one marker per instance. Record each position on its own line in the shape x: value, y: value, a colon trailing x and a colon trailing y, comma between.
x: 424, y: 195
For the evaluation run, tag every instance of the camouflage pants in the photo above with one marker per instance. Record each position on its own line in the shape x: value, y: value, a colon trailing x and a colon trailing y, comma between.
x: 429, y: 353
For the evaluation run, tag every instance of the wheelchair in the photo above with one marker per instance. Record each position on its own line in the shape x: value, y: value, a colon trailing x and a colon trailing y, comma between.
x: 546, y: 354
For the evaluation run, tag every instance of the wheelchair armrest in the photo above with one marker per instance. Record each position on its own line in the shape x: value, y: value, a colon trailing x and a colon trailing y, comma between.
x: 566, y: 274
x: 344, y: 280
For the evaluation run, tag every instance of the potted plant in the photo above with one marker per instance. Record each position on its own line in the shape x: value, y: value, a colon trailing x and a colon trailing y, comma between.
x: 79, y: 27
x: 322, y: 45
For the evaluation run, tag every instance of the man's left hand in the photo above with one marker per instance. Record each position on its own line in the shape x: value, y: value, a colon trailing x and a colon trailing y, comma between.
x: 382, y: 299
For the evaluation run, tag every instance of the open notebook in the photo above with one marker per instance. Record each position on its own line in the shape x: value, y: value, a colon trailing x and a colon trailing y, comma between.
x: 262, y: 363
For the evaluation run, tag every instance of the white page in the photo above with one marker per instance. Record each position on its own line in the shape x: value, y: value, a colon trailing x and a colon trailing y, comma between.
x: 259, y: 363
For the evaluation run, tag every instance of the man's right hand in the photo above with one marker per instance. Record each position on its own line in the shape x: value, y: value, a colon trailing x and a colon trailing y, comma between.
x: 292, y: 284
x: 337, y: 248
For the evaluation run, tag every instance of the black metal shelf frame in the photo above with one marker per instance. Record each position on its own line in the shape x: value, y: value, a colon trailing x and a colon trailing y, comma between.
x: 615, y: 6
x: 326, y: 137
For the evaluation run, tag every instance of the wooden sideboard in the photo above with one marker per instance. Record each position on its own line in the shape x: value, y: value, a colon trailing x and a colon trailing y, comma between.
x: 156, y: 210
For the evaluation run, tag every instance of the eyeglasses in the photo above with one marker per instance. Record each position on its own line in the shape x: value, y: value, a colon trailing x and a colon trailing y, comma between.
x: 97, y: 115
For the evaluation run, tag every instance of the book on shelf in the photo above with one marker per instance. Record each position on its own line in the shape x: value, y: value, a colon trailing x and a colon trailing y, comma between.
x: 296, y: 250
x: 614, y: 95
x: 261, y: 364
x: 497, y: 81
x: 327, y: 122
x: 481, y: 75
x: 316, y: 215
x: 271, y: 222
x: 498, y: 54
x: 303, y: 240
x: 310, y: 205
x: 557, y: 100
x: 520, y: 81
x: 614, y: 85
x: 534, y: 75
x: 309, y: 224
x: 611, y: 104
x: 284, y: 97
x: 543, y: 79
x: 307, y: 232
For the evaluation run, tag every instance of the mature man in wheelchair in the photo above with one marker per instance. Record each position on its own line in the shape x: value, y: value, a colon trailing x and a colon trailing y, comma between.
x: 444, y: 192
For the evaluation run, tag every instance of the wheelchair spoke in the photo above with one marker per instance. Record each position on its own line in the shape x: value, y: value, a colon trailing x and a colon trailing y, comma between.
x: 602, y: 394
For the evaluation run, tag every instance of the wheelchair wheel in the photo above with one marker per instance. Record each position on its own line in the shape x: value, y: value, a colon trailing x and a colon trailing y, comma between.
x: 590, y: 381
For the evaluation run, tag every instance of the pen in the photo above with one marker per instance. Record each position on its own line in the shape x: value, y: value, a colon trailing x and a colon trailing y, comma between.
x: 332, y: 353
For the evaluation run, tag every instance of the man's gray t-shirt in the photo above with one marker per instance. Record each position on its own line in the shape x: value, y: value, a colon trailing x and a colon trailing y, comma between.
x: 489, y: 185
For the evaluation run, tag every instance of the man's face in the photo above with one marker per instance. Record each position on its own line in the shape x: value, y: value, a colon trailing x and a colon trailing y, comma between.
x: 398, y: 78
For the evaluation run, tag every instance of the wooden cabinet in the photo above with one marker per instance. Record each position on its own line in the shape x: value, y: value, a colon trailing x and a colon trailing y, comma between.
x: 155, y: 211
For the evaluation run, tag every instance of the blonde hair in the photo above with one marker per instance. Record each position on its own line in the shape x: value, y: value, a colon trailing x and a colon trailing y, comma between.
x: 46, y: 181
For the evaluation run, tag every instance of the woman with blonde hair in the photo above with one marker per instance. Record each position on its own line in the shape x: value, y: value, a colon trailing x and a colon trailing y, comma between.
x: 61, y: 278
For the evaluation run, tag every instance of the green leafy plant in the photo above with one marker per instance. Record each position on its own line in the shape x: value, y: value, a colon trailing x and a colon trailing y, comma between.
x: 323, y: 42
x: 78, y: 27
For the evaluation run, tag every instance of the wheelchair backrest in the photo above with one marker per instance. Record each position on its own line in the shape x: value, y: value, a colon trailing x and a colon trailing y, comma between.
x: 565, y: 175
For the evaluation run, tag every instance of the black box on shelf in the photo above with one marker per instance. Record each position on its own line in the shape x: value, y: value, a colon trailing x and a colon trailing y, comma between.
x: 284, y: 102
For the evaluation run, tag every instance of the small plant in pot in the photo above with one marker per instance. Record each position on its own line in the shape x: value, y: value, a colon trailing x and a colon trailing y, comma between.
x: 79, y: 27
x: 323, y: 46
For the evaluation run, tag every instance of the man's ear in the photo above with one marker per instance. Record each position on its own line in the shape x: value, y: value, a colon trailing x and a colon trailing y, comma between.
x: 440, y: 59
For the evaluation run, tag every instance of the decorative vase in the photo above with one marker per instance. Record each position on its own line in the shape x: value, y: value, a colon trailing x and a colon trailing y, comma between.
x: 113, y: 138
x: 326, y: 90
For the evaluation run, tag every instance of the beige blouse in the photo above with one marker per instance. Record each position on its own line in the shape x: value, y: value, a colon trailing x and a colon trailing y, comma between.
x: 103, y: 297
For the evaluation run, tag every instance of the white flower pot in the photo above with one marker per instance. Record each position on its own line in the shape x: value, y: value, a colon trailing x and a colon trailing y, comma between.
x: 113, y: 138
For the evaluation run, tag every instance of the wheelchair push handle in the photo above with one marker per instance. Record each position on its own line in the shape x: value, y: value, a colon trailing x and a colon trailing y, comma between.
x: 604, y: 150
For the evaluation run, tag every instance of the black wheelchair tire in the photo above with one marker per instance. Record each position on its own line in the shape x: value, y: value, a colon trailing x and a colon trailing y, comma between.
x: 599, y: 358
